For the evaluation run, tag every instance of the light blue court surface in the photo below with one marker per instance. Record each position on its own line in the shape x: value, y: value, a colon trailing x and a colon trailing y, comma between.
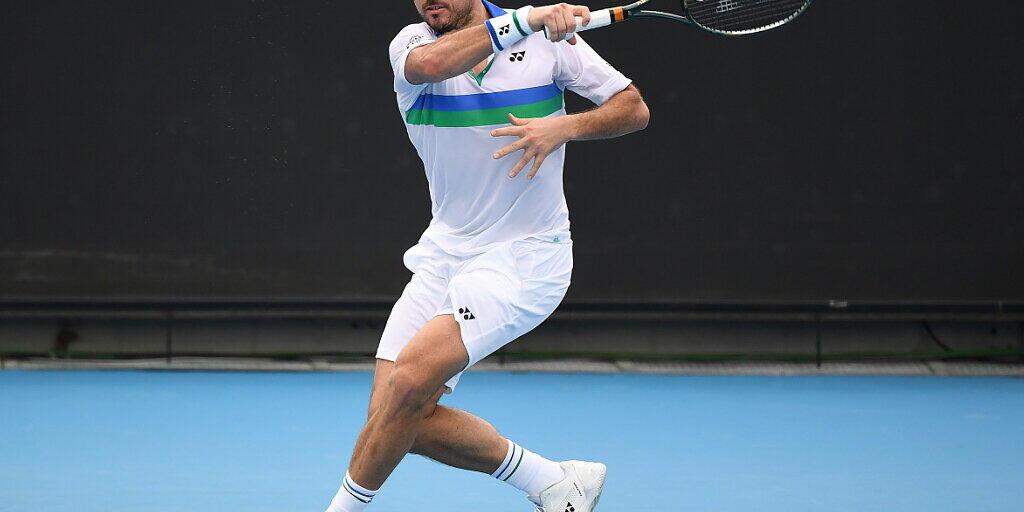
x: 248, y: 442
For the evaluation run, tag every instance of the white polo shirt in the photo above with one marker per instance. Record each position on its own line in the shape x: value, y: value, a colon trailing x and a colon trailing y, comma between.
x: 474, y: 203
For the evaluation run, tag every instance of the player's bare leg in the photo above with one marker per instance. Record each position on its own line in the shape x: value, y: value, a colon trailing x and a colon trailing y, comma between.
x: 462, y: 440
x: 448, y: 435
x: 445, y: 434
x: 434, y: 355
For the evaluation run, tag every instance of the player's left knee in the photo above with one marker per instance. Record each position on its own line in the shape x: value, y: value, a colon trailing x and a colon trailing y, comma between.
x: 409, y: 388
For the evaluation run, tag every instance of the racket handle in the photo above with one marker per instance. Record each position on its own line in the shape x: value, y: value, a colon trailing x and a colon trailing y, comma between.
x: 598, y: 19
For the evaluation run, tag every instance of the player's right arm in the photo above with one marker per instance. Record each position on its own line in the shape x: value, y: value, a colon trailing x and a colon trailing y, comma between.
x: 449, y: 56
x: 459, y: 51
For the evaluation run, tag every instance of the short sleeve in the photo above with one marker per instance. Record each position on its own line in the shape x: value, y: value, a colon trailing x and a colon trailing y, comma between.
x: 408, y: 39
x: 581, y: 70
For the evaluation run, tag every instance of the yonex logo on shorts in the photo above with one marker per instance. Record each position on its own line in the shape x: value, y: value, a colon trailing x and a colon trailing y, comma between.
x: 570, y: 508
x: 517, y: 56
x: 466, y: 314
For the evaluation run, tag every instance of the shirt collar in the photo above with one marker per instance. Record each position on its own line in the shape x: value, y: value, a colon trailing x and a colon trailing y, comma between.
x: 492, y: 10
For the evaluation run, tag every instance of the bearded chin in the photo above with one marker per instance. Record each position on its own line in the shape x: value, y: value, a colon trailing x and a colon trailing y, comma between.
x: 456, y: 21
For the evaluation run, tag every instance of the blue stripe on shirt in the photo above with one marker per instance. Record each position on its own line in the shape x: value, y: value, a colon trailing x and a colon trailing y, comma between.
x: 500, y: 99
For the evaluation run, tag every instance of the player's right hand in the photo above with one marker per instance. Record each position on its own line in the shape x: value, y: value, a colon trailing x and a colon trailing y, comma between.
x: 558, y: 20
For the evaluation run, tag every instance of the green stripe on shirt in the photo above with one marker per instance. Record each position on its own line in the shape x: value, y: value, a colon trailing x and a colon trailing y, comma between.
x: 484, y: 117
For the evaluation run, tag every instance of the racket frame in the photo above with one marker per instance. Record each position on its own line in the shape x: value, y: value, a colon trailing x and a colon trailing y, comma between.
x: 633, y: 10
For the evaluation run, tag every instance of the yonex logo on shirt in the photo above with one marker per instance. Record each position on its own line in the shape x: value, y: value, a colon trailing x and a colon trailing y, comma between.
x: 413, y: 40
x: 517, y: 56
x: 466, y: 314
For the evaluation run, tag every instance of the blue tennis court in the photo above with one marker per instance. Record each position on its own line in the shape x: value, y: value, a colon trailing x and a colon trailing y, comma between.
x: 193, y: 441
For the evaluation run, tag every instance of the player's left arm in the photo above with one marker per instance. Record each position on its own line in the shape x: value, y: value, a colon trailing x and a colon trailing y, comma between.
x: 623, y: 113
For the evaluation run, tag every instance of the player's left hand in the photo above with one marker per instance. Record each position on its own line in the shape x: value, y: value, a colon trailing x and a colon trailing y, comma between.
x: 538, y: 137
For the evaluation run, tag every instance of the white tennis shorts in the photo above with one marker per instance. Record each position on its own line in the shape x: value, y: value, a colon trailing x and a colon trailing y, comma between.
x: 496, y: 296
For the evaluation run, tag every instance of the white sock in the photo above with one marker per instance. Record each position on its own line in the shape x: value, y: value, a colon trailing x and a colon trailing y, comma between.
x: 351, y: 497
x: 528, y: 471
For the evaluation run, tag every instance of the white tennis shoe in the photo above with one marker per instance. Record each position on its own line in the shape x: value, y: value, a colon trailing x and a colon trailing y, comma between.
x: 577, y: 492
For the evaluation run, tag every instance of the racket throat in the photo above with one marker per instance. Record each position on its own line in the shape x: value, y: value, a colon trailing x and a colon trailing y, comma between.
x: 662, y: 15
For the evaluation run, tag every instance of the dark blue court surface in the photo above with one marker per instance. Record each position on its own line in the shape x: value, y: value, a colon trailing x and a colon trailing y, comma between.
x: 248, y: 442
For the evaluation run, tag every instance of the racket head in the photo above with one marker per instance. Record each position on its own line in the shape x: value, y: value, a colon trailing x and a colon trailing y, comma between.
x: 742, y: 17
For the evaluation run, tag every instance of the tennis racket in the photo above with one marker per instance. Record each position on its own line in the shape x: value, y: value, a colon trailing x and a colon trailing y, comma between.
x: 722, y: 17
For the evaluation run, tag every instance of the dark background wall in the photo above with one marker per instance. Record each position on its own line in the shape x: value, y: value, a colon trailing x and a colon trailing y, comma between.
x: 252, y: 150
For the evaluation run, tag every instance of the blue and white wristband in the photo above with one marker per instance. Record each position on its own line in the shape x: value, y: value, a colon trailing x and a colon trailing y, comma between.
x: 507, y: 29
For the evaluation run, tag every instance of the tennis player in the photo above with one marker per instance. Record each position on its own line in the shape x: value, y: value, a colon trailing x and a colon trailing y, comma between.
x: 476, y: 84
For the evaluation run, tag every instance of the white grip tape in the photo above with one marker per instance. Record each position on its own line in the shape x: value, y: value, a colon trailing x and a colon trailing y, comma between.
x: 598, y: 19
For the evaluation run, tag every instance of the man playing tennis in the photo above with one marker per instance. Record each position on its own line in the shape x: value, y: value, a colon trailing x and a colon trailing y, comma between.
x: 496, y: 258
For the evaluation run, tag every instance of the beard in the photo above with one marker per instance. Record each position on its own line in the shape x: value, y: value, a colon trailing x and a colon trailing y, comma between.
x: 456, y: 19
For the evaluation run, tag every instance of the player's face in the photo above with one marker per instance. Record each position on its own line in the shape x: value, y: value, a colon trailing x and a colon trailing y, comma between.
x: 445, y: 15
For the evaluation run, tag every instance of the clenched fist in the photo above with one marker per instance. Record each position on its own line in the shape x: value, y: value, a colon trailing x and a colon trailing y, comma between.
x: 558, y: 20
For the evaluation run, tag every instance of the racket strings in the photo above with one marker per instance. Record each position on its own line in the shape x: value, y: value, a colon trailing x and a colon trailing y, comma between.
x: 742, y: 15
x: 739, y: 15
x: 740, y: 19
x: 750, y: 20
